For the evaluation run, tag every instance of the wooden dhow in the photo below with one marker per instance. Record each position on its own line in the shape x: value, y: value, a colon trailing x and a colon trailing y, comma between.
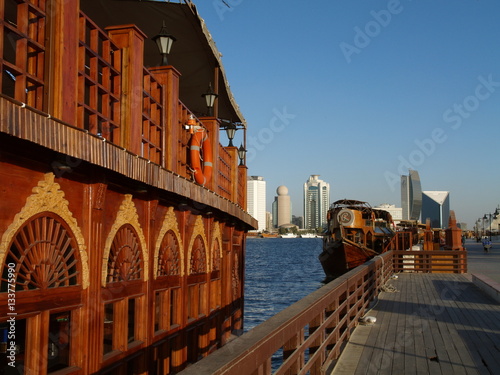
x: 120, y: 252
x: 356, y: 233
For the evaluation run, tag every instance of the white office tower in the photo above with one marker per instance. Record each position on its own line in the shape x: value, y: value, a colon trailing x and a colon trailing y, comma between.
x: 256, y: 200
x: 316, y: 202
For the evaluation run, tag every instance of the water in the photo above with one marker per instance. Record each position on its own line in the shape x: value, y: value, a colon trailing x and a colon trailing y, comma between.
x: 279, y: 272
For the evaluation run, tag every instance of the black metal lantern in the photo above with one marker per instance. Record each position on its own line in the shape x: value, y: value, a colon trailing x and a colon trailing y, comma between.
x: 230, y: 131
x: 210, y: 97
x: 164, y: 41
x: 242, y: 154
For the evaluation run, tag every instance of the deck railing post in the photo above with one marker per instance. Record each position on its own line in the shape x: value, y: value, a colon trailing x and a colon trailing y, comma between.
x: 168, y: 77
x: 131, y: 41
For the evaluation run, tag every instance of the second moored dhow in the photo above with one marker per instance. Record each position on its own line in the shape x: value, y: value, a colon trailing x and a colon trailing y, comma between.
x: 356, y: 232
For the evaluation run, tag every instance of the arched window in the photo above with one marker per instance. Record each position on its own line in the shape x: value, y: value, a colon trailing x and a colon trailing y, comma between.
x: 123, y: 316
x: 43, y: 263
x: 198, y: 259
x: 168, y: 258
x: 44, y: 253
x: 168, y: 306
x: 125, y: 259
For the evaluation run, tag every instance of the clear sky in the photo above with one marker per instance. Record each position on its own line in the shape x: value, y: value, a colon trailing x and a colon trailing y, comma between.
x: 360, y: 91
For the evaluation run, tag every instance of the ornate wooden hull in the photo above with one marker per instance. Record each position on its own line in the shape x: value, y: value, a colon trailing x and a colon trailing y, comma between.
x: 339, y: 257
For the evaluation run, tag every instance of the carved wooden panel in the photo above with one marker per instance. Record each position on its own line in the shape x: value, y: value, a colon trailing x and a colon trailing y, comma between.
x: 125, y: 260
x: 216, y: 258
x: 44, y: 253
x: 198, y: 259
x: 168, y: 258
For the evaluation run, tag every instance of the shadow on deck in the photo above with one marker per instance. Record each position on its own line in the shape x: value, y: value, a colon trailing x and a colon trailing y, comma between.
x: 430, y: 323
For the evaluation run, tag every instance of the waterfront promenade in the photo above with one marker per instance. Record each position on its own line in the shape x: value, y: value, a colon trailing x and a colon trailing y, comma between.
x: 431, y: 324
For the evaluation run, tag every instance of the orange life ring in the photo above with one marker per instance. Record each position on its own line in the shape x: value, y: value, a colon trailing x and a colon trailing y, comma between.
x: 199, y: 142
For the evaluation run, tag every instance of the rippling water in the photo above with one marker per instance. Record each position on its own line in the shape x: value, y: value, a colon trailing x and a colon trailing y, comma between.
x: 279, y: 272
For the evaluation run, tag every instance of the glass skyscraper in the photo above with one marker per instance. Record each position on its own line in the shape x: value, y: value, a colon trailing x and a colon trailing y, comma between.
x: 436, y: 207
x: 411, y: 196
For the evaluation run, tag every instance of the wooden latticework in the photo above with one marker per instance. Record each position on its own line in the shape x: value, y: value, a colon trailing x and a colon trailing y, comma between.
x: 198, y: 257
x: 22, y: 50
x: 99, y: 67
x: 44, y: 253
x: 125, y: 259
x: 152, y: 117
x: 168, y: 258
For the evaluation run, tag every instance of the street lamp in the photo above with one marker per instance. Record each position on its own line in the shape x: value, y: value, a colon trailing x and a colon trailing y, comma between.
x: 210, y: 97
x: 164, y: 41
x: 486, y: 217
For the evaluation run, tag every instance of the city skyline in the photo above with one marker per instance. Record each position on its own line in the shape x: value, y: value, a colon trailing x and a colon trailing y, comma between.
x: 364, y: 91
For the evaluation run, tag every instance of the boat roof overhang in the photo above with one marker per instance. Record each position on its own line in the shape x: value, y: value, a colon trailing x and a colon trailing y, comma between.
x: 194, y: 54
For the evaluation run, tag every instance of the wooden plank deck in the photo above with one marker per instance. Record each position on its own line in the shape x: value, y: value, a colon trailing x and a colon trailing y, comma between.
x: 431, y: 324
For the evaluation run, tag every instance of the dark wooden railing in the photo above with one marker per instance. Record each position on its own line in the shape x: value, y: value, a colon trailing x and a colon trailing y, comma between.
x: 430, y: 261
x: 309, y: 336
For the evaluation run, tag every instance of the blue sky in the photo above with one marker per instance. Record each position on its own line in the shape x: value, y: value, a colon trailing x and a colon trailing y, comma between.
x: 358, y: 92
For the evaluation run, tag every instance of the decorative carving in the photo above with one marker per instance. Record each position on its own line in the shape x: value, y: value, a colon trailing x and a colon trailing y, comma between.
x: 198, y: 260
x: 99, y: 195
x: 236, y: 278
x: 43, y: 252
x: 170, y: 225
x: 124, y: 262
x: 47, y: 197
x: 127, y: 214
x: 216, y: 253
x: 199, y: 239
x: 168, y: 258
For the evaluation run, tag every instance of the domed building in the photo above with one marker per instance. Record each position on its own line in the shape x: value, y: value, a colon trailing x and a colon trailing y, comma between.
x: 282, y: 207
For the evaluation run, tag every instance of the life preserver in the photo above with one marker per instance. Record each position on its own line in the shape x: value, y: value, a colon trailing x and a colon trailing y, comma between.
x: 345, y: 217
x: 200, y: 142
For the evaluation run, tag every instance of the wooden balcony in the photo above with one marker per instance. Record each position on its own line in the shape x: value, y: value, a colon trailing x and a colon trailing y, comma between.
x: 96, y: 101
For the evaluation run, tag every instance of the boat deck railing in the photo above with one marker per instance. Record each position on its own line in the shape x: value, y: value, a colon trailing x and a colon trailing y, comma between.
x: 309, y: 336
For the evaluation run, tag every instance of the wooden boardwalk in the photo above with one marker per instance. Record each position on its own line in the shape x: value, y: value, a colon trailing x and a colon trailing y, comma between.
x: 431, y: 324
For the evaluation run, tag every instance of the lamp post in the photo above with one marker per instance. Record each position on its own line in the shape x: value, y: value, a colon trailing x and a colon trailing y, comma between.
x: 210, y: 97
x: 495, y: 217
x: 488, y: 217
x: 164, y: 41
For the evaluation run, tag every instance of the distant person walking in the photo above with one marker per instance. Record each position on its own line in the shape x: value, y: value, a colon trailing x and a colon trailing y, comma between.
x: 486, y: 244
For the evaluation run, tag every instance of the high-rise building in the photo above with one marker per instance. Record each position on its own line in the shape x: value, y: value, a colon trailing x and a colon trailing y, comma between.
x: 256, y: 200
x: 316, y: 202
x: 282, y: 207
x: 436, y: 207
x: 411, y: 196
